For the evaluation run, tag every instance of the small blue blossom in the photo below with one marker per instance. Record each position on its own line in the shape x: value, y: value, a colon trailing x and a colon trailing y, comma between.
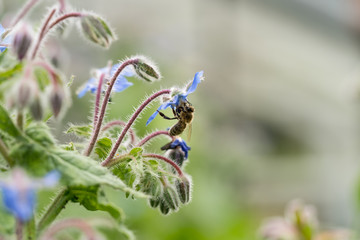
x: 4, y: 42
x: 120, y: 85
x: 181, y: 143
x: 178, y: 98
x: 19, y: 194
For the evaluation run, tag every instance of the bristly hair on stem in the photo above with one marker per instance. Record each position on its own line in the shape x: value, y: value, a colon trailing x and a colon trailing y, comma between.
x: 105, y: 101
x: 151, y: 136
x: 27, y: 7
x: 123, y: 124
x: 131, y: 121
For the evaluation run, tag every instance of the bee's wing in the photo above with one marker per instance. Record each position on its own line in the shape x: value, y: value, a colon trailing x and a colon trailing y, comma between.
x: 189, y: 132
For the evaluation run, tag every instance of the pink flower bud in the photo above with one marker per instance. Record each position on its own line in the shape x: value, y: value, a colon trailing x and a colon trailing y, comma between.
x: 22, y: 41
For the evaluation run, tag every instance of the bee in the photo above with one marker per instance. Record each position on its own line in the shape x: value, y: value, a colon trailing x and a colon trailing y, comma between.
x: 184, y: 113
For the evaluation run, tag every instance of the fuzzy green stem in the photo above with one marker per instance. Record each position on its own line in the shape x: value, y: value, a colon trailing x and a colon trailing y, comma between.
x: 54, y: 209
x: 130, y: 122
x: 5, y: 153
x: 30, y: 229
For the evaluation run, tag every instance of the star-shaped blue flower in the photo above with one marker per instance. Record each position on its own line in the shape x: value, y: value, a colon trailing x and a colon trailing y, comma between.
x: 4, y: 42
x: 181, y: 143
x: 176, y: 100
x: 120, y: 85
x: 19, y: 194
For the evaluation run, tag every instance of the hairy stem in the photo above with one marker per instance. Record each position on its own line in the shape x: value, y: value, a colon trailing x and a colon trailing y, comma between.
x: 167, y: 160
x: 54, y: 209
x: 27, y: 7
x: 62, y: 18
x: 42, y: 33
x: 70, y: 223
x: 30, y: 229
x: 151, y: 136
x: 131, y: 121
x: 120, y: 123
x: 97, y: 99
x: 19, y: 229
x: 96, y: 130
x: 119, y: 159
x: 5, y: 153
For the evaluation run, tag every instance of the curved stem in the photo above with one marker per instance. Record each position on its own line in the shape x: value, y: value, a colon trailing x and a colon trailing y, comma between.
x: 62, y: 18
x: 97, y: 100
x: 151, y: 136
x: 68, y: 223
x: 27, y: 7
x: 165, y: 159
x: 131, y: 121
x: 118, y: 159
x: 120, y: 123
x: 50, y: 70
x: 96, y: 130
x: 54, y: 209
x: 42, y: 32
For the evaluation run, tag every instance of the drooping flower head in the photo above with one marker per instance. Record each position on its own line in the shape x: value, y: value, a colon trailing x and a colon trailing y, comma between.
x: 5, y: 39
x: 182, y: 144
x: 19, y: 192
x: 179, y: 96
x: 177, y: 150
x: 121, y: 82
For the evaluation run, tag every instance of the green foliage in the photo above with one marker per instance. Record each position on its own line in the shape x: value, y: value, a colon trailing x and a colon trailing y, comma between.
x: 103, y: 147
x: 80, y: 131
x: 93, y: 199
x: 6, y: 124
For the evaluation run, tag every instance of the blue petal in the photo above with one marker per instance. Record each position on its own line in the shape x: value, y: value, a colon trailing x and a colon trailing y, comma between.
x: 184, y: 147
x: 90, y: 85
x: 2, y: 30
x: 20, y: 203
x: 2, y: 48
x: 197, y: 79
x: 162, y: 107
x: 51, y: 179
x: 121, y: 84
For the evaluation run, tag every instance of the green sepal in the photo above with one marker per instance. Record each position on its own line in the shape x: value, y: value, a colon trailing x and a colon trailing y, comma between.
x: 6, y: 124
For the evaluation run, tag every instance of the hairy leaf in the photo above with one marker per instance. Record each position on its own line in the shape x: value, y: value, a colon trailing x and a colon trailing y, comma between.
x: 81, y: 131
x: 103, y: 147
x: 6, y: 124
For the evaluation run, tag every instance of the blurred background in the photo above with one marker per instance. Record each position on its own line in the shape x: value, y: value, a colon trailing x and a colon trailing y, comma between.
x: 277, y: 116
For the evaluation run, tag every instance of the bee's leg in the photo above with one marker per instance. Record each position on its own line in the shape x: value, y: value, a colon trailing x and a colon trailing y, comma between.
x: 166, y: 117
x: 175, y: 113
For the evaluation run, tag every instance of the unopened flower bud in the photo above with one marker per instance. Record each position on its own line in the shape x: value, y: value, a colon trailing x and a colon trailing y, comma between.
x: 36, y: 108
x: 147, y: 70
x: 97, y: 30
x: 56, y: 100
x: 22, y: 41
x: 154, y: 202
x: 23, y: 93
x: 170, y: 197
x: 164, y: 208
x: 183, y: 189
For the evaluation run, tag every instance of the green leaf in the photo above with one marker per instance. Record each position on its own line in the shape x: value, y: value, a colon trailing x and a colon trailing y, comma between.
x: 93, y: 199
x: 81, y: 131
x: 7, y: 223
x: 103, y: 147
x: 136, y: 152
x: 9, y: 73
x: 6, y: 124
x: 115, y: 232
x: 40, y: 133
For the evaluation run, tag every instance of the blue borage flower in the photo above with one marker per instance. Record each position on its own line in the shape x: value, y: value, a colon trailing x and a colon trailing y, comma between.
x: 181, y: 143
x: 179, y: 97
x: 19, y: 194
x: 120, y: 85
x: 5, y: 41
